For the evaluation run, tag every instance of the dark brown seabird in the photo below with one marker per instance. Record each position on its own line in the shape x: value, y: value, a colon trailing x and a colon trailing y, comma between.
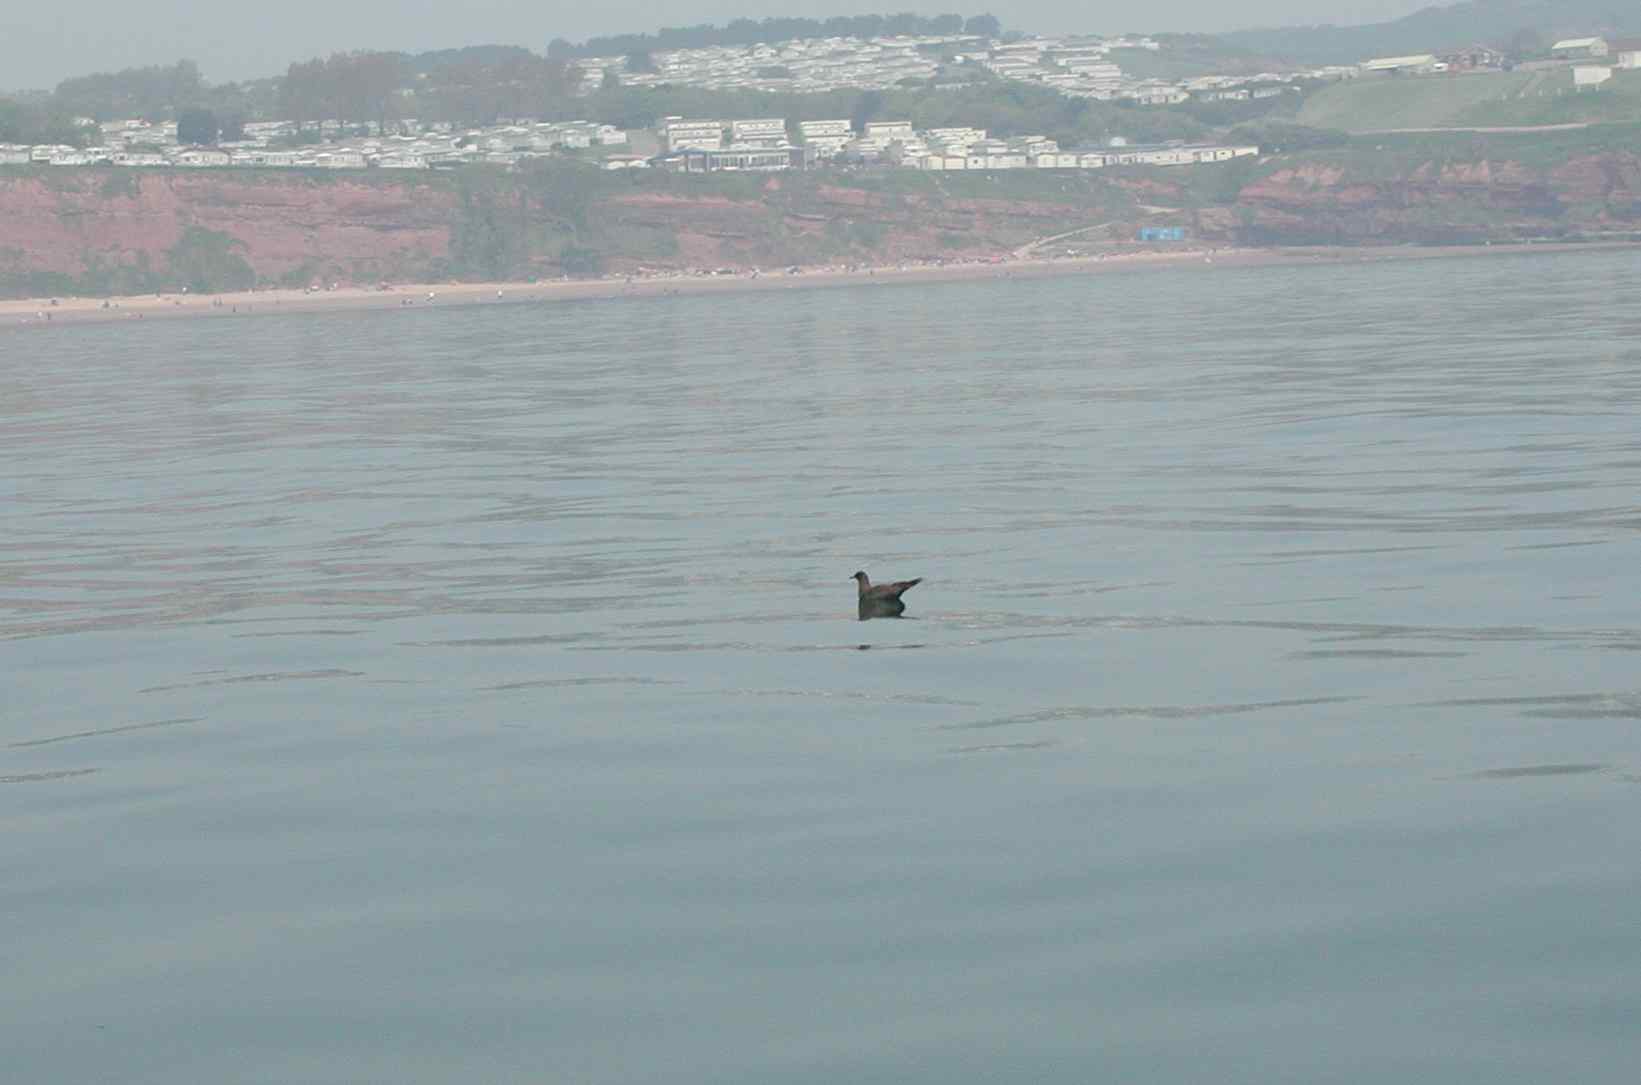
x: 882, y: 599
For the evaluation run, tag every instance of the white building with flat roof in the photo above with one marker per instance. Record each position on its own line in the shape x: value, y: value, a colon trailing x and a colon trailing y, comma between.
x: 827, y: 138
x: 961, y: 134
x: 811, y: 129
x: 682, y: 135
x: 890, y: 130
x: 767, y: 131
x: 730, y: 159
x: 341, y: 160
x: 1580, y: 48
x: 202, y: 157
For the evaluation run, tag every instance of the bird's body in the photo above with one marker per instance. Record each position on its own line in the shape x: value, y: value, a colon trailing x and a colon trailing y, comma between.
x: 882, y: 600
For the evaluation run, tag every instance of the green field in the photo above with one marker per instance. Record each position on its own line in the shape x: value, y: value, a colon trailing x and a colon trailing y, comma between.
x: 1617, y: 101
x: 1487, y: 100
x: 1376, y: 103
x: 1187, y: 58
x: 1395, y: 157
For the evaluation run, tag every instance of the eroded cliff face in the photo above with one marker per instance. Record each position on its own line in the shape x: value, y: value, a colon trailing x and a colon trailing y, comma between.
x: 101, y: 229
x: 1435, y: 202
x: 826, y: 223
x: 68, y: 221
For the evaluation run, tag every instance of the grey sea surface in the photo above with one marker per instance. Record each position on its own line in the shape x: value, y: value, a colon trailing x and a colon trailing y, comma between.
x: 478, y: 695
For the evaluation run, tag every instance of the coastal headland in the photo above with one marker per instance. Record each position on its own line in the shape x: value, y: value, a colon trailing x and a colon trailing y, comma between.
x: 309, y: 239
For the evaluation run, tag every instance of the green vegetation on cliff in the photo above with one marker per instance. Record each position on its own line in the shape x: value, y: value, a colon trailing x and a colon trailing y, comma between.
x: 208, y: 262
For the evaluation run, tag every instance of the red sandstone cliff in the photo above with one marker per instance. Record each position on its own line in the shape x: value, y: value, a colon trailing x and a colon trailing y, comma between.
x: 1440, y: 201
x: 64, y: 220
x: 71, y: 227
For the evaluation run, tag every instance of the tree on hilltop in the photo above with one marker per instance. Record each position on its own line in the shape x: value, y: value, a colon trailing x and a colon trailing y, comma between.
x: 198, y: 127
x: 154, y: 92
x: 31, y: 122
x: 867, y: 106
x: 1526, y: 42
x: 984, y: 26
x: 359, y: 87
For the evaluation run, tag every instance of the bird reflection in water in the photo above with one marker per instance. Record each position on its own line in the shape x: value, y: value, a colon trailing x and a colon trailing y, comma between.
x: 870, y: 609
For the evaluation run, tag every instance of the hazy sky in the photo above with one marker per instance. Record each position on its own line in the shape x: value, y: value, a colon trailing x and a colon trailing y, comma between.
x: 42, y: 43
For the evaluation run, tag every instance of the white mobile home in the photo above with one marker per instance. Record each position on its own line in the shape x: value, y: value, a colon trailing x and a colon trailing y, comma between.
x: 890, y: 130
x: 1420, y: 64
x: 1580, y: 48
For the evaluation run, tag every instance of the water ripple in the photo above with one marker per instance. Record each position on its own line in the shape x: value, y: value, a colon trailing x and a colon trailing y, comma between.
x: 277, y: 676
x: 1149, y: 712
x: 1526, y: 772
x: 105, y: 731
x: 40, y: 777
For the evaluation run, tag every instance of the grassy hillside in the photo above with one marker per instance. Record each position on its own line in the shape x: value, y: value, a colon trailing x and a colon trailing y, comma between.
x: 1441, y: 27
x: 1618, y: 101
x: 1186, y: 56
x: 1448, y: 101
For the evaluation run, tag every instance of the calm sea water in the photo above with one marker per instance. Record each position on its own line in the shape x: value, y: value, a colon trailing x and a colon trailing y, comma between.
x: 478, y: 695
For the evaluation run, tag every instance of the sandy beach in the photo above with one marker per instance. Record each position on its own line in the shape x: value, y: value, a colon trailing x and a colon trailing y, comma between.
x: 61, y: 311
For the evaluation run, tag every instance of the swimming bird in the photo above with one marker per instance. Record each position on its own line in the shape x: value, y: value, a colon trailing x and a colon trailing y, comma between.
x: 882, y: 600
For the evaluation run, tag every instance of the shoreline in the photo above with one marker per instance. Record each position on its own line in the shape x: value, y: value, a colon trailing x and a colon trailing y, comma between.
x: 52, y: 312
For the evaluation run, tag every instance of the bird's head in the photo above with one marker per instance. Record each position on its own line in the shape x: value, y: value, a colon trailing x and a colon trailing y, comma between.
x: 860, y: 578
